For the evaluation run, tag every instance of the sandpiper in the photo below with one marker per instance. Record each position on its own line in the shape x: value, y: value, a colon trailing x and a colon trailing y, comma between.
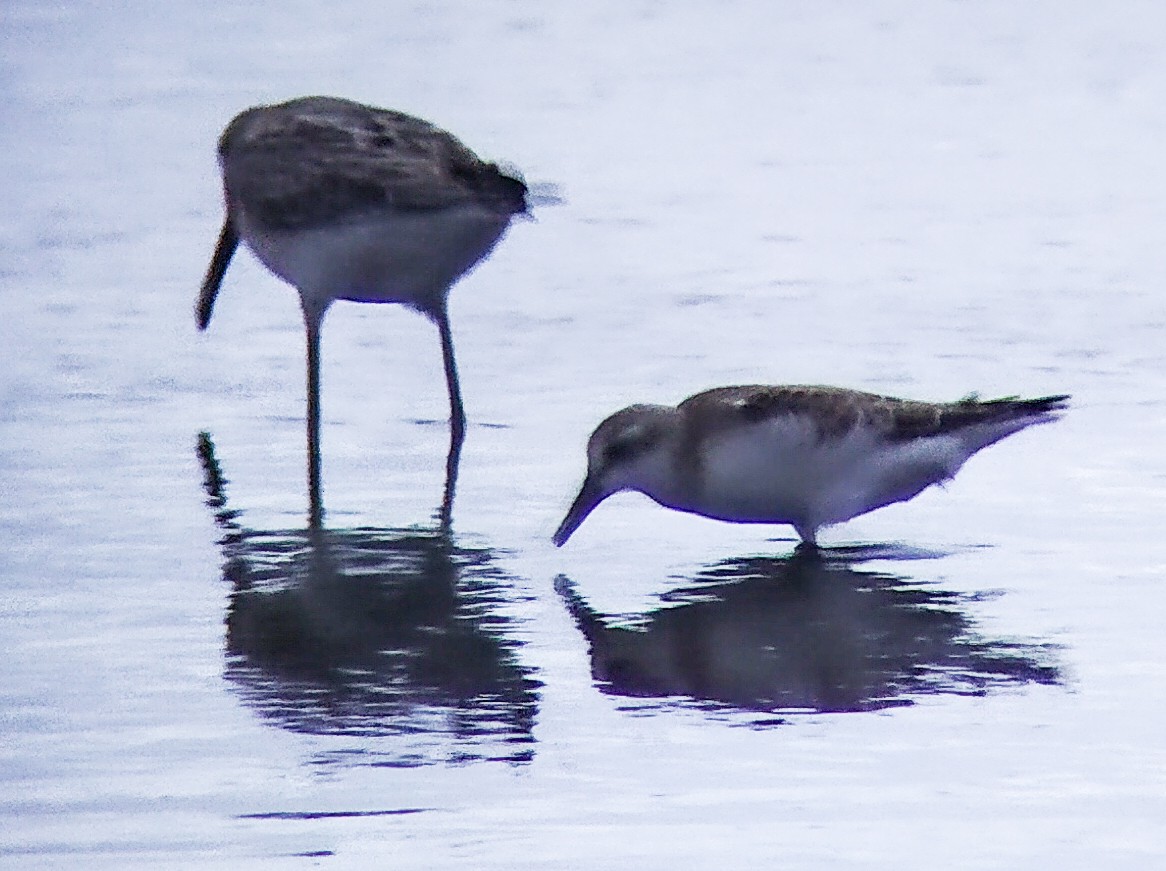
x: 802, y: 455
x: 347, y: 201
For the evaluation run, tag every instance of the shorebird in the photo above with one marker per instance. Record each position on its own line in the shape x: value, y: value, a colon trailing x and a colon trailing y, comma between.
x: 347, y: 201
x: 806, y: 456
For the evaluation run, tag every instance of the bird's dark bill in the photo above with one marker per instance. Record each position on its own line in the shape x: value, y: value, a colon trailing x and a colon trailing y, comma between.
x: 590, y: 495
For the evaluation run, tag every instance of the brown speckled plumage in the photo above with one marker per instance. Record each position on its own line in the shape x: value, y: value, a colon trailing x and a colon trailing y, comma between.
x: 835, y: 411
x: 322, y: 160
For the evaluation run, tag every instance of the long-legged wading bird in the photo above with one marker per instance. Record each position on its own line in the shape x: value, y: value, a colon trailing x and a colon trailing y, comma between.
x: 806, y: 456
x: 347, y: 201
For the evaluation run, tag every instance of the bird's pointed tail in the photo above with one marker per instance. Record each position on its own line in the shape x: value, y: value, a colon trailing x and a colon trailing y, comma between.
x: 224, y: 249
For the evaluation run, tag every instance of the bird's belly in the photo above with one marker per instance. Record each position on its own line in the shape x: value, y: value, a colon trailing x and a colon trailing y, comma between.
x: 756, y: 480
x: 781, y: 474
x: 403, y: 257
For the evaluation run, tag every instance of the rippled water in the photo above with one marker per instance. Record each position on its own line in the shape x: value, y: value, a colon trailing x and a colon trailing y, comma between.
x: 924, y: 201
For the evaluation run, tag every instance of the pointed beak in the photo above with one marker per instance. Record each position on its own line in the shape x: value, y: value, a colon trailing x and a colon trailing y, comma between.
x: 590, y: 495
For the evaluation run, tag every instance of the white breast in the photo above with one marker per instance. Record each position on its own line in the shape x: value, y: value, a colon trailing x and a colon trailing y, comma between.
x: 404, y: 257
x: 781, y: 471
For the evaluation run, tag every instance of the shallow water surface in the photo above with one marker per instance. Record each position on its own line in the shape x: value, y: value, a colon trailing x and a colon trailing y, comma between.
x: 922, y: 202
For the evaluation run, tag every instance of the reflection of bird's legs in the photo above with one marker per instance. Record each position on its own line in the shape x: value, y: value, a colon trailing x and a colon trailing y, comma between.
x: 807, y: 547
x: 213, y: 481
x: 445, y: 514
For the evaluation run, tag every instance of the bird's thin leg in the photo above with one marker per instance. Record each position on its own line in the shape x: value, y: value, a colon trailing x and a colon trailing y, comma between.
x: 808, y: 535
x: 445, y: 515
x: 313, y: 318
x: 457, y: 417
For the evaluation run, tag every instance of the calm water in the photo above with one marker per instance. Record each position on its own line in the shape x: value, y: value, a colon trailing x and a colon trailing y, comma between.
x: 921, y: 201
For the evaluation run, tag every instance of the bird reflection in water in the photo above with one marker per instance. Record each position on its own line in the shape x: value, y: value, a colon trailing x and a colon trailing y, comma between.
x: 392, y: 636
x: 808, y: 633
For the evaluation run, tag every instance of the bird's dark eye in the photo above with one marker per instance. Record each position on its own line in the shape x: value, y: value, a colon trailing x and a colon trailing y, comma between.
x: 620, y: 450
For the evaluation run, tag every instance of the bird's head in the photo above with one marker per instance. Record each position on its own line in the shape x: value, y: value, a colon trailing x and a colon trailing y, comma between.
x: 628, y: 451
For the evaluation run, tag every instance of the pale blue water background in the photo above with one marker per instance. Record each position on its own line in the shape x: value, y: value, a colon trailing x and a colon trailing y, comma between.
x: 917, y: 199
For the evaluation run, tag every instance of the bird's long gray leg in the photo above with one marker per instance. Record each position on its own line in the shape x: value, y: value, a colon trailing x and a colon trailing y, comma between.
x: 457, y: 416
x: 220, y: 260
x: 808, y: 535
x: 313, y: 319
x: 445, y: 514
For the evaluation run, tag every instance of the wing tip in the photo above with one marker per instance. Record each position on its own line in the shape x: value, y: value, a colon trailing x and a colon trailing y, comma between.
x: 1050, y: 404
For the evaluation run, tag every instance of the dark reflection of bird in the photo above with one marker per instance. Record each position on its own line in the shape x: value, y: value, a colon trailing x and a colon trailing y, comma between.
x: 392, y: 635
x: 805, y: 633
x: 347, y: 201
